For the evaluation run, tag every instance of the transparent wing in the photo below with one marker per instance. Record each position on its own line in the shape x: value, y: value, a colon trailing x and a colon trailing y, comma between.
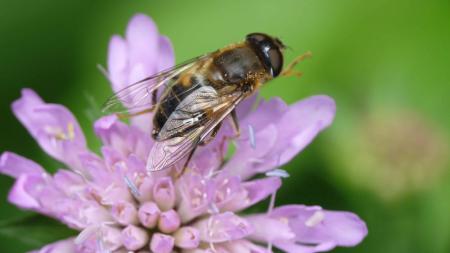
x: 138, y: 96
x: 190, y: 123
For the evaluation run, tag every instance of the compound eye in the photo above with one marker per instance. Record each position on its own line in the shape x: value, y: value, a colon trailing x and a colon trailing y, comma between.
x: 276, y: 60
x: 258, y: 37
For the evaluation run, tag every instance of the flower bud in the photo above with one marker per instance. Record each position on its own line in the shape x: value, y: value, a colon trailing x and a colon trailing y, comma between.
x: 187, y: 238
x: 145, y: 189
x: 134, y: 238
x: 149, y: 214
x: 169, y: 221
x: 162, y: 243
x: 125, y: 213
x: 111, y: 238
x: 164, y: 193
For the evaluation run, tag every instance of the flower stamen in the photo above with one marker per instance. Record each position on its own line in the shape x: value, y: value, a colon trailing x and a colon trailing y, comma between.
x: 277, y: 173
x: 59, y: 134
x: 315, y: 219
x: 251, y: 134
x: 133, y: 188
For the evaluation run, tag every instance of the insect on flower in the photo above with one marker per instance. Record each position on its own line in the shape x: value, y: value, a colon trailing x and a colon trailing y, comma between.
x: 117, y: 207
x: 191, y: 100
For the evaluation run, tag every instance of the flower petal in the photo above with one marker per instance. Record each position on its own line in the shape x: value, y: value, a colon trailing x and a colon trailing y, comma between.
x: 196, y: 195
x: 118, y: 63
x: 134, y: 238
x: 310, y: 116
x: 266, y: 113
x: 164, y: 193
x: 66, y: 246
x: 319, y: 230
x: 162, y: 243
x: 253, y: 192
x: 142, y: 37
x: 142, y: 53
x: 123, y: 138
x: 223, y: 227
x: 245, y: 246
x: 187, y: 238
x: 246, y: 106
x: 19, y: 194
x: 53, y: 126
x: 14, y: 165
x: 247, y: 159
x: 166, y: 54
x: 296, y: 126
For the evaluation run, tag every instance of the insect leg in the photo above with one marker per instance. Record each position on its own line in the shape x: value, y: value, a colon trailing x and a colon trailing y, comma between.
x: 179, y: 174
x: 212, y: 136
x: 126, y: 115
x: 289, y: 70
x: 151, y: 109
x: 235, y: 124
x: 154, y: 97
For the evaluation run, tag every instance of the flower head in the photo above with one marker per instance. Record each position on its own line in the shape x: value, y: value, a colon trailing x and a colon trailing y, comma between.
x: 118, y: 207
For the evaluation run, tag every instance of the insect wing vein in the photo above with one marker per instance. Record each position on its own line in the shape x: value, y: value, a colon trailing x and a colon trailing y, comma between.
x: 138, y: 96
x: 168, y: 152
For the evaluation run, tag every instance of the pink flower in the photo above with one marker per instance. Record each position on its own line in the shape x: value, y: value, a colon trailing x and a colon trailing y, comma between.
x: 118, y: 207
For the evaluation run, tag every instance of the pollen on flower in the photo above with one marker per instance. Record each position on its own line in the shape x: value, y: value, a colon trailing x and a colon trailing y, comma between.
x: 70, y: 131
x: 284, y: 220
x: 315, y: 219
x: 59, y: 134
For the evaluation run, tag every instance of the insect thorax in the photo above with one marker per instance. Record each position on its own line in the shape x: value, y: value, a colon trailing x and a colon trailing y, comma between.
x: 234, y: 68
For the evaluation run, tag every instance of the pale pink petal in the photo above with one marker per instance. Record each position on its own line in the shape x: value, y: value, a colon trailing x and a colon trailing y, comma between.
x: 302, y: 123
x: 113, y: 133
x: 196, y: 195
x: 142, y: 38
x: 249, y: 160
x: 279, y: 229
x: 164, y: 193
x: 63, y: 246
x: 226, y: 188
x: 247, y: 106
x: 166, y: 54
x: 169, y: 221
x: 162, y: 243
x: 244, y: 246
x: 187, y: 238
x: 223, y: 227
x: 134, y: 238
x: 124, y: 213
x: 110, y: 238
x: 142, y: 54
x: 253, y: 192
x: 96, y: 169
x: 149, y: 214
x: 266, y: 113
x: 53, y: 126
x: 122, y: 138
x: 118, y: 63
x: 296, y: 126
x: 20, y: 195
x: 318, y: 230
x: 14, y: 165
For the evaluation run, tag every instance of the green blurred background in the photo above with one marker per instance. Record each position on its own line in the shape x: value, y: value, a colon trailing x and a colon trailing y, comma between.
x: 386, y: 63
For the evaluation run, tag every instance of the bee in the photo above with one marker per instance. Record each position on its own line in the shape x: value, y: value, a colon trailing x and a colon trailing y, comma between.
x: 197, y: 95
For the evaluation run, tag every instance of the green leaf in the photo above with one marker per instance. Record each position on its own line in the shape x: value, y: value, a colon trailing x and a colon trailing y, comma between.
x: 31, y: 233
